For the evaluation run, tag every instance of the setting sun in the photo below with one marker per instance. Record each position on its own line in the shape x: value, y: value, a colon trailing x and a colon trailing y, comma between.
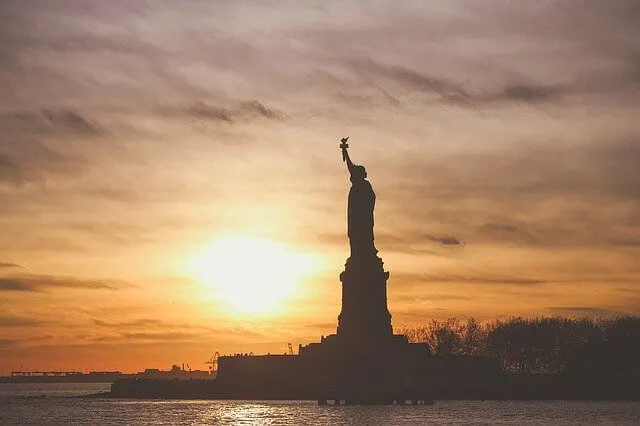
x: 251, y: 275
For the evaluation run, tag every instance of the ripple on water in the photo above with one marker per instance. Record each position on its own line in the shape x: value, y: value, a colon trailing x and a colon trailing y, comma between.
x: 56, y: 407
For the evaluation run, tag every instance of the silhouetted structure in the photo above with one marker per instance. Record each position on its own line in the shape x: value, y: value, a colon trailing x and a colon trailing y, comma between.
x: 364, y: 362
x: 364, y: 353
x: 362, y: 201
x: 176, y: 372
x: 364, y: 313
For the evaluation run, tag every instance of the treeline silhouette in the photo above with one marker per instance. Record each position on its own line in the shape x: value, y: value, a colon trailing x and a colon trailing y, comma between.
x: 540, y: 345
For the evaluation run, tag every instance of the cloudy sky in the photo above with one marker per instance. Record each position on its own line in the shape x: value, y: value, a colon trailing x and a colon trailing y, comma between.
x: 501, y: 138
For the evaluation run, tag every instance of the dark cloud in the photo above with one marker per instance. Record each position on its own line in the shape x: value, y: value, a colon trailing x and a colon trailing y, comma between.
x: 210, y: 113
x: 39, y: 283
x: 51, y: 121
x: 412, y: 249
x: 9, y: 169
x: 70, y: 120
x: 7, y: 342
x: 412, y: 79
x: 31, y: 148
x: 582, y: 228
x: 12, y: 321
x: 31, y: 160
x: 9, y: 265
x: 549, y: 193
x: 512, y: 194
x: 243, y: 111
x: 523, y: 93
x: 468, y: 39
x: 256, y: 108
x: 412, y: 241
x: 449, y: 91
x: 538, y: 54
x: 447, y: 240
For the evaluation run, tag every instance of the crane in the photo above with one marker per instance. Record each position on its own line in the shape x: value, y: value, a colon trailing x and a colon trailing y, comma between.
x: 213, y: 362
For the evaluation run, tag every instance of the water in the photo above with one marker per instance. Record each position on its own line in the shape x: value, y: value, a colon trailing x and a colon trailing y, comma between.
x: 47, y: 403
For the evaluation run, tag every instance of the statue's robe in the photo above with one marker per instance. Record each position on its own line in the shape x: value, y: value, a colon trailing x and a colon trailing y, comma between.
x: 362, y: 201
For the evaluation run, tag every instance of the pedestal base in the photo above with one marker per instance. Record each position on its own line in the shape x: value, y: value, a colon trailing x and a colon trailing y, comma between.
x: 386, y: 363
x: 364, y: 315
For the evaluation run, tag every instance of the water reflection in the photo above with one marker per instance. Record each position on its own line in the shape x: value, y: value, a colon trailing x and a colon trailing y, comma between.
x: 246, y: 413
x: 54, y: 409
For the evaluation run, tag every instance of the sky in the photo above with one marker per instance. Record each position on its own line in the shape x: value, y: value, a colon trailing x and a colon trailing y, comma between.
x: 167, y: 165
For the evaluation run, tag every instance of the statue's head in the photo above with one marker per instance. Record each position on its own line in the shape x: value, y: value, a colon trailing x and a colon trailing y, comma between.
x: 359, y: 173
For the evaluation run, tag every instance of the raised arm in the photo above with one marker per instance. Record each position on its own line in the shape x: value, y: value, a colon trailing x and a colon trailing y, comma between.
x: 345, y: 154
x: 347, y: 159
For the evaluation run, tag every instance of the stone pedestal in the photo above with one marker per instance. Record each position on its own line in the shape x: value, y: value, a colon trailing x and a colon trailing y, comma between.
x: 364, y: 316
x: 364, y: 354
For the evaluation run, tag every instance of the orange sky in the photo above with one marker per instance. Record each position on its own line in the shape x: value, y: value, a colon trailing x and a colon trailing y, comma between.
x: 501, y: 140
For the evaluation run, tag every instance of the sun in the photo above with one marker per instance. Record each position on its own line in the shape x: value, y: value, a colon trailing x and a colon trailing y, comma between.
x: 251, y: 275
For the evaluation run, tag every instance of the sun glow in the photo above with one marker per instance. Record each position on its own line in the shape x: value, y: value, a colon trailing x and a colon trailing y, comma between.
x: 253, y: 276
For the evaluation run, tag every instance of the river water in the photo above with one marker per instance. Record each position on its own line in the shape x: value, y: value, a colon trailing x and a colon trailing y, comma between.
x: 48, y: 403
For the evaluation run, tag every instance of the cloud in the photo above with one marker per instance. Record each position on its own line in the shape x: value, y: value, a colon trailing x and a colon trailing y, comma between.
x: 412, y: 79
x: 411, y: 249
x: 9, y: 265
x: 526, y: 93
x: 407, y: 298
x: 553, y: 174
x: 256, y: 108
x: 525, y: 193
x: 503, y: 232
x: 465, y: 279
x: 64, y: 120
x: 9, y: 169
x: 142, y: 322
x: 117, y: 232
x: 491, y: 54
x: 7, y: 342
x: 162, y: 336
x: 413, y: 238
x: 407, y: 242
x: 447, y: 240
x: 40, y: 283
x: 243, y: 111
x: 31, y: 148
x: 588, y: 311
x: 30, y: 160
x: 12, y: 321
x: 449, y: 91
x: 57, y: 121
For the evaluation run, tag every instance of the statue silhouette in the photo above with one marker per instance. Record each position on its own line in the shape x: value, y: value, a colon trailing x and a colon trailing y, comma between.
x: 362, y: 201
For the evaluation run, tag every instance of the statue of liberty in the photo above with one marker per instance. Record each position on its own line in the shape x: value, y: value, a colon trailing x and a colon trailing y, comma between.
x: 362, y: 201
